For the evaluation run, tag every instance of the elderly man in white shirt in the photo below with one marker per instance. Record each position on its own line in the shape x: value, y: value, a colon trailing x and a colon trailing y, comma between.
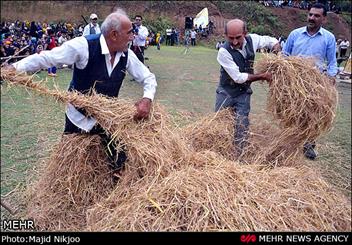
x: 140, y: 36
x: 236, y: 58
x: 102, y: 57
x: 92, y: 27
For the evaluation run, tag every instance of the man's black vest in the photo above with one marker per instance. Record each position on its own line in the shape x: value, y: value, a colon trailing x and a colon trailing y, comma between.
x: 245, y: 65
x: 95, y: 74
x: 91, y: 30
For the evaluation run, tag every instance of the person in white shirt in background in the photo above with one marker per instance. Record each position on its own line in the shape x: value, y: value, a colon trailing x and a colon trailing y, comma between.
x: 108, y: 63
x: 92, y: 27
x: 140, y: 35
x: 193, y: 37
x: 62, y: 38
x: 343, y: 47
x: 282, y: 43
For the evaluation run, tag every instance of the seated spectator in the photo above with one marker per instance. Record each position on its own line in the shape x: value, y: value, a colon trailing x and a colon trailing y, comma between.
x: 39, y: 49
x: 49, y: 45
x: 62, y: 38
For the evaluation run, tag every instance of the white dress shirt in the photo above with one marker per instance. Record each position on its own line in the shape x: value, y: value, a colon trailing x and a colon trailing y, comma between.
x: 86, y: 30
x: 344, y: 45
x: 226, y: 61
x: 76, y: 52
x: 139, y: 40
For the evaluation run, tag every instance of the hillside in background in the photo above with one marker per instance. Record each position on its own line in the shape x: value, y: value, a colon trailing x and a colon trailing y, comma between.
x: 260, y: 19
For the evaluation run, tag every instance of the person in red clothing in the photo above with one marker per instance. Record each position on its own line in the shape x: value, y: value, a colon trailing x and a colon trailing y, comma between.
x: 49, y: 45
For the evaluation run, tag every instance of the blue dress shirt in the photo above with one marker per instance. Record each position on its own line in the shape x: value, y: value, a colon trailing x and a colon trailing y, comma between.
x: 321, y: 45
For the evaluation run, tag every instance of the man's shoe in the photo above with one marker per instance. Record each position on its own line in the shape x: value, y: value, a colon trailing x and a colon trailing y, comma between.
x: 310, y: 153
x: 120, y: 162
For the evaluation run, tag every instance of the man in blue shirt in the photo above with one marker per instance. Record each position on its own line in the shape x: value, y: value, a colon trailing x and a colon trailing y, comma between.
x: 314, y: 41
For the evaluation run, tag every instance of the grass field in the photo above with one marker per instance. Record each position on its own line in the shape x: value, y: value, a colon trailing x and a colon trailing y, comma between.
x: 31, y: 124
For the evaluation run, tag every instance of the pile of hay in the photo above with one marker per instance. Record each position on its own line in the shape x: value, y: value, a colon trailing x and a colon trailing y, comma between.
x: 216, y: 194
x: 75, y: 178
x: 215, y: 133
x: 183, y: 179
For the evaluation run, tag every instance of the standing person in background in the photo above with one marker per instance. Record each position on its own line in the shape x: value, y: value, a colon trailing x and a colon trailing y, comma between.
x: 217, y: 46
x: 236, y: 58
x: 140, y: 36
x: 193, y: 37
x: 282, y: 43
x: 177, y: 36
x: 187, y: 41
x: 343, y: 47
x: 314, y: 41
x: 50, y: 43
x: 168, y: 37
x: 338, y: 41
x: 92, y: 27
x: 157, y: 40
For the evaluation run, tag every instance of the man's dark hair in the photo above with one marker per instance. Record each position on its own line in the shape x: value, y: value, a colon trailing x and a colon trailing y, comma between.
x: 138, y: 16
x: 319, y: 6
x: 50, y: 31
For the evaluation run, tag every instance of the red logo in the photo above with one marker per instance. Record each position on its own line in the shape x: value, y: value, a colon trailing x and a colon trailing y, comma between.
x: 248, y: 238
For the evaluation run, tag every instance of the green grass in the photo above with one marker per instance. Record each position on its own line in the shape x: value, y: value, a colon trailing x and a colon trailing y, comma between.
x: 31, y: 124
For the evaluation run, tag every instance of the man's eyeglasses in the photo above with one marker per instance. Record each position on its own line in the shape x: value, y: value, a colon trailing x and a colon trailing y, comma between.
x: 138, y: 20
x: 95, y: 19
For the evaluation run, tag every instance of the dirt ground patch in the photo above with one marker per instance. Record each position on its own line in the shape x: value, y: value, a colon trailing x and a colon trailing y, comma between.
x: 293, y: 18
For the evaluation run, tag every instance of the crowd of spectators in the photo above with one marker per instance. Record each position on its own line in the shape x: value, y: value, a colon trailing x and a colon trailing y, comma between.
x: 25, y: 38
x: 302, y: 4
x: 175, y: 36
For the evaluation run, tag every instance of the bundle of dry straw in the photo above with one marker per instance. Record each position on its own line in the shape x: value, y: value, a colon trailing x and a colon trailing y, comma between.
x: 178, y: 179
x: 301, y: 98
x: 151, y: 144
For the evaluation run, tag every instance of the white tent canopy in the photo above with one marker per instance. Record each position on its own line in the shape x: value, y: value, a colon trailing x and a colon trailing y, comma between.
x: 202, y: 18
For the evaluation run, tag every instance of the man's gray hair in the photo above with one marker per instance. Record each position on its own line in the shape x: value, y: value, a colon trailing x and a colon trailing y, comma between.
x: 113, y: 21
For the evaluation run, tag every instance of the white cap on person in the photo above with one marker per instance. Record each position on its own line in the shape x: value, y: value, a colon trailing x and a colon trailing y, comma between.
x: 93, y: 16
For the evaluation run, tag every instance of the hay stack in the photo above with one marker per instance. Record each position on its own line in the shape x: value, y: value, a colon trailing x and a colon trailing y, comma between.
x: 213, y: 133
x: 216, y: 194
x: 75, y: 177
